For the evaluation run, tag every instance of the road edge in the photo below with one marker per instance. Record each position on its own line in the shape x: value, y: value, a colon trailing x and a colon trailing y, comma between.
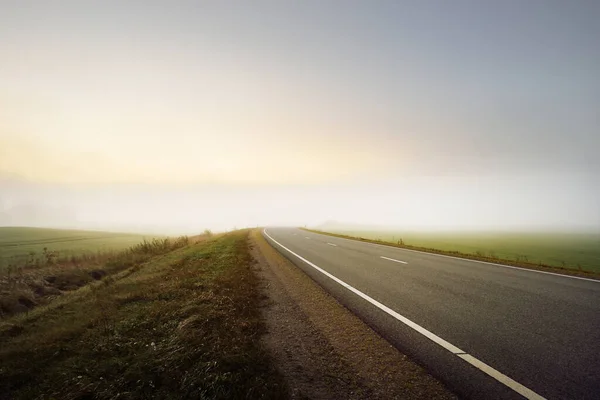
x: 380, y: 369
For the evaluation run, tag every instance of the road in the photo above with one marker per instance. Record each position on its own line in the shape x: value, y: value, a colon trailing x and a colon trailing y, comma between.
x: 486, y: 331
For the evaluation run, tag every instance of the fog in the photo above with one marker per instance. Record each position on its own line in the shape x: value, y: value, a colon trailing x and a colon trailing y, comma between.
x: 175, y: 118
x: 448, y: 203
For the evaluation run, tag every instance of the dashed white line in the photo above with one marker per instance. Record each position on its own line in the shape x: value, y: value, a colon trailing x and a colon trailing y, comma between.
x: 391, y: 247
x: 331, y: 244
x: 306, y: 237
x: 391, y: 259
x: 499, y: 376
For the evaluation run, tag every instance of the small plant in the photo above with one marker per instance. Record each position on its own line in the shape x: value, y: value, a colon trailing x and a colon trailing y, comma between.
x: 50, y: 257
x: 104, y: 322
x: 10, y: 269
x: 30, y: 261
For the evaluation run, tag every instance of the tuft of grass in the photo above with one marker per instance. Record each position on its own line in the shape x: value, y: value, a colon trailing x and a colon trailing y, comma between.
x: 186, y: 325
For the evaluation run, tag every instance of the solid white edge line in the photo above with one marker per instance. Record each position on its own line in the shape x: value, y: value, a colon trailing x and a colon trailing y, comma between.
x: 499, y: 376
x: 391, y: 259
x: 448, y: 346
x: 465, y: 259
x: 331, y: 244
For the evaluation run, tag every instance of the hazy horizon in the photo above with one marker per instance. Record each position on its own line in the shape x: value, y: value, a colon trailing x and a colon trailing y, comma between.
x: 182, y: 116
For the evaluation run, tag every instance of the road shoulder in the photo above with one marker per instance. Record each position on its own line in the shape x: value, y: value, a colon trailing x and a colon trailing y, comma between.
x: 322, y: 349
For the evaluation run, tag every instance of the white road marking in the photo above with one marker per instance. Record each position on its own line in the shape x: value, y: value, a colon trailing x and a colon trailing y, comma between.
x: 391, y: 259
x: 389, y: 247
x: 499, y: 376
x: 306, y: 237
x: 331, y: 244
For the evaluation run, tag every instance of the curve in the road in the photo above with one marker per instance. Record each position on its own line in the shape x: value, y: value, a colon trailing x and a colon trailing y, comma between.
x: 499, y: 376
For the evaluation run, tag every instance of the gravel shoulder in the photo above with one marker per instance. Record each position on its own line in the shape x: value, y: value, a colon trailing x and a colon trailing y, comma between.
x: 322, y: 349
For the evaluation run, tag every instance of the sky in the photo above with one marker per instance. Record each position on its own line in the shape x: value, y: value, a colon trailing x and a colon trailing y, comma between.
x: 184, y: 115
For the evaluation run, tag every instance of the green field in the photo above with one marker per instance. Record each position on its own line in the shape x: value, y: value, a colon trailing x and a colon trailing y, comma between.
x: 569, y: 250
x: 19, y: 242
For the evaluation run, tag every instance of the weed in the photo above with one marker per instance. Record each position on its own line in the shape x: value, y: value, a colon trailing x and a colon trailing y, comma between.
x: 521, y: 259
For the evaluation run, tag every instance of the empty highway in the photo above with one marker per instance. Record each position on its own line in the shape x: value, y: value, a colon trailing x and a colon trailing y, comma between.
x: 487, y: 331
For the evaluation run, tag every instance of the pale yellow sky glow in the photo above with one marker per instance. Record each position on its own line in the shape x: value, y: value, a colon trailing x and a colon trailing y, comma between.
x: 113, y: 116
x: 171, y: 115
x: 232, y: 161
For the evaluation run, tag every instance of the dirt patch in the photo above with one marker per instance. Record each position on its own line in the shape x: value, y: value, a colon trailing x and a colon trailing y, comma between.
x: 322, y: 349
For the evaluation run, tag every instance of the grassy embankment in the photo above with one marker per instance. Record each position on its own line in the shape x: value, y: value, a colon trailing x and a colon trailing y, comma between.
x: 571, y: 253
x: 181, y: 324
x: 36, y: 268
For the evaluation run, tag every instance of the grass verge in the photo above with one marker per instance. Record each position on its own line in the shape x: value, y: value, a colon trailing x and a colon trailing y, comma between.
x: 30, y: 284
x: 522, y: 263
x: 186, y: 324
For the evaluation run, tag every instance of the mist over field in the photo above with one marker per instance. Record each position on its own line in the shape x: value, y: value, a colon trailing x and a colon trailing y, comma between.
x: 151, y: 117
x: 530, y: 204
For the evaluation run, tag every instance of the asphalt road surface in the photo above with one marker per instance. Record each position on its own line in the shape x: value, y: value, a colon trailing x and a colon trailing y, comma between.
x: 486, y: 331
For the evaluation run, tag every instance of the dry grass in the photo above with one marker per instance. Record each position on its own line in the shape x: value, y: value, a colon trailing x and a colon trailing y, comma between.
x: 38, y: 281
x: 185, y: 324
